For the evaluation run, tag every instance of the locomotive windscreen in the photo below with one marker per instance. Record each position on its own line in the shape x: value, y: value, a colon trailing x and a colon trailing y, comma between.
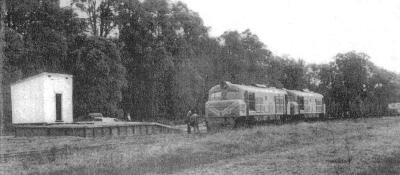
x: 232, y: 95
x: 215, y: 96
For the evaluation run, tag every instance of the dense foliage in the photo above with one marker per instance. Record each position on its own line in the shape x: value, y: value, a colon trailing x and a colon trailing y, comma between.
x: 154, y: 59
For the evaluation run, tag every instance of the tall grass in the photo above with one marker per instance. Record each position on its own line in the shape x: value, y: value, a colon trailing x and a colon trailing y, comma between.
x: 336, y: 143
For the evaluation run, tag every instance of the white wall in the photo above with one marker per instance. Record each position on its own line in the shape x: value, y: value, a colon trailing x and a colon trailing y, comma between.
x: 27, y: 101
x: 33, y: 99
x: 62, y: 84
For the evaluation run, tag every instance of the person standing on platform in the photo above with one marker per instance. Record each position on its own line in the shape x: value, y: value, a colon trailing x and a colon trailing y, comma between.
x: 187, y: 120
x: 195, y: 119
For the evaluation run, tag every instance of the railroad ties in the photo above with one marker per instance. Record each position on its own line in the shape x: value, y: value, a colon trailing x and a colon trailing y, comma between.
x: 94, y: 129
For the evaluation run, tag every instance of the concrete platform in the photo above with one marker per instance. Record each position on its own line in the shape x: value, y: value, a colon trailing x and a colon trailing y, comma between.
x: 95, y: 129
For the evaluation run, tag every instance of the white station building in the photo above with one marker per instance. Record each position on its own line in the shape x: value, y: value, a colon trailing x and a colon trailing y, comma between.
x: 43, y: 98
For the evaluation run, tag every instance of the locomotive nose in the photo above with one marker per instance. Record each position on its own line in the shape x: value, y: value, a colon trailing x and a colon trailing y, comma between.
x: 226, y: 108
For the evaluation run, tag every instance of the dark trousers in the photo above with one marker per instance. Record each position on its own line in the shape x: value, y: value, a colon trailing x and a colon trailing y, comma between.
x: 188, y: 128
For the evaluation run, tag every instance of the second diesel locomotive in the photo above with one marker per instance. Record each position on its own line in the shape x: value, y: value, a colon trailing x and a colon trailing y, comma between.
x: 230, y: 105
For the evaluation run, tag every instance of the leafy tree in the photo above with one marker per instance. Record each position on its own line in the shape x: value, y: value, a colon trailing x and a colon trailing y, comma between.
x: 311, y: 77
x: 164, y: 61
x: 326, y: 78
x: 160, y: 41
x: 44, y: 30
x: 350, y: 81
x: 242, y: 57
x: 381, y: 90
x: 144, y: 56
x: 2, y: 58
x: 99, y: 76
x: 36, y: 40
x: 101, y: 15
x: 293, y: 74
x: 43, y: 37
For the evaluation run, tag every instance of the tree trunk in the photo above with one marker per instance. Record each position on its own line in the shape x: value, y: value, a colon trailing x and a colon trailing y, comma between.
x: 2, y: 58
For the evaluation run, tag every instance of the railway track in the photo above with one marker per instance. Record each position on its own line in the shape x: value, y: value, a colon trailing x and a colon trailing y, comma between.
x: 55, y: 152
x: 51, y: 154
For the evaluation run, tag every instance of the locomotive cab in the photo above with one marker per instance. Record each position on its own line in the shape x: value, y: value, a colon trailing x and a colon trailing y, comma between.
x: 232, y: 105
x: 225, y: 104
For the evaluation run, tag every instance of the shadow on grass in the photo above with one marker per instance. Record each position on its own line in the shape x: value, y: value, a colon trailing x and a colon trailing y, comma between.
x: 216, y: 148
x: 164, y: 164
x: 385, y: 165
x: 169, y: 163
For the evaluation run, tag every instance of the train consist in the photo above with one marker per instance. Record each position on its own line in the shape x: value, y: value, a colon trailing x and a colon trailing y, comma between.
x: 231, y: 105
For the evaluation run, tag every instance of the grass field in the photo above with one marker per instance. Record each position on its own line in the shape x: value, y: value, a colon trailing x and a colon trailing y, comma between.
x: 361, y: 146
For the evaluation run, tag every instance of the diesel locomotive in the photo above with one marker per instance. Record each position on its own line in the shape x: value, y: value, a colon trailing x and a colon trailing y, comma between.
x: 230, y: 105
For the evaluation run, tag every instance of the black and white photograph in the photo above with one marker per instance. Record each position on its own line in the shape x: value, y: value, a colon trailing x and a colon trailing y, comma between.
x: 200, y: 87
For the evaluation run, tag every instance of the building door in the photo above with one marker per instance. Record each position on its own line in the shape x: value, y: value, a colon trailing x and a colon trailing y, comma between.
x: 58, y: 107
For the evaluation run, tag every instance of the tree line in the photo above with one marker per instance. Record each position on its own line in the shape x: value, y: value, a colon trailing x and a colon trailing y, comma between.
x: 155, y: 59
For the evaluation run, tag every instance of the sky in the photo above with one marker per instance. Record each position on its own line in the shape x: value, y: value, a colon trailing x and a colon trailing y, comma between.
x: 313, y: 30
